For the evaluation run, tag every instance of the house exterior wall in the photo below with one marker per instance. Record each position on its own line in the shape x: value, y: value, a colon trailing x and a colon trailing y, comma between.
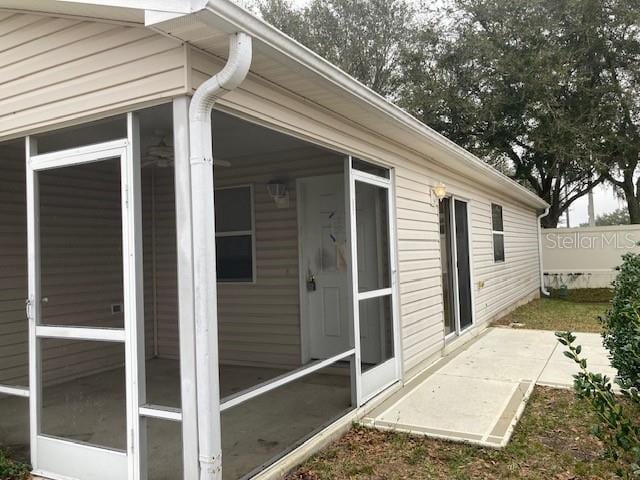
x: 72, y: 69
x: 56, y: 70
x: 259, y: 323
x: 497, y: 288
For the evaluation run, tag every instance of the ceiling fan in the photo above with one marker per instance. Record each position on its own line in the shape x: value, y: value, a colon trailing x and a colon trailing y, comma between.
x: 161, y: 154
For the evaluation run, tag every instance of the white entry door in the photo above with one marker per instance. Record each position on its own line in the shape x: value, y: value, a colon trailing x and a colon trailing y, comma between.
x: 85, y: 311
x: 323, y: 256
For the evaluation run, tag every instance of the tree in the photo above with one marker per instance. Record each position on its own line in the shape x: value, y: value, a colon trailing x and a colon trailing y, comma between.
x: 363, y: 37
x: 617, y: 217
x: 544, y: 90
x: 610, y: 42
x: 503, y: 81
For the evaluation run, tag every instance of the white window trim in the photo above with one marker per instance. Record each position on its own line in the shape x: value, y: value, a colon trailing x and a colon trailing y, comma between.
x: 252, y: 232
x: 498, y: 232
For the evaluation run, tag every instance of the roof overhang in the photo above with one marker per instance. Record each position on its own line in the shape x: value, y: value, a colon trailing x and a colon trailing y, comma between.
x: 301, y: 71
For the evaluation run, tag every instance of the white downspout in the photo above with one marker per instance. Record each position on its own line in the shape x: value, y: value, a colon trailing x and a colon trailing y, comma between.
x: 204, y: 251
x: 543, y: 289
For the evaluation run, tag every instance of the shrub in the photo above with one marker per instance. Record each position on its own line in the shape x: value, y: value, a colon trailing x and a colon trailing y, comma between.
x: 619, y: 427
x: 621, y: 324
x: 11, y: 469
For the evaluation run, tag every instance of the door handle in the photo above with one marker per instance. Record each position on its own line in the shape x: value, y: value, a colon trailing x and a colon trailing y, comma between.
x: 27, y: 308
x: 311, y: 283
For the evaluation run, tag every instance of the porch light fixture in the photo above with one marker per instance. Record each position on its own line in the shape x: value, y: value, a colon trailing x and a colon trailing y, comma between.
x: 279, y: 194
x: 439, y: 191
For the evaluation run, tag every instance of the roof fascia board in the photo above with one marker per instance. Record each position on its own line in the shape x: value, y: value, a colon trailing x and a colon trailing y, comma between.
x: 154, y: 17
x: 173, y: 6
x: 234, y: 18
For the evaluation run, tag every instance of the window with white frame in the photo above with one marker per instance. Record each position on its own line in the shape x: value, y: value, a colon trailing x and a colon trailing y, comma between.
x: 235, y: 234
x: 498, y: 232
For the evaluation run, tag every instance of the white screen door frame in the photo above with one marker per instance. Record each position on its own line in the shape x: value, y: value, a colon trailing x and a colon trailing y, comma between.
x: 385, y: 374
x: 65, y: 459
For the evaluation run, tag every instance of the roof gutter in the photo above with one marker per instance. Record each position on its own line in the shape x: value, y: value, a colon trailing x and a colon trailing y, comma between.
x: 204, y: 250
x: 543, y: 289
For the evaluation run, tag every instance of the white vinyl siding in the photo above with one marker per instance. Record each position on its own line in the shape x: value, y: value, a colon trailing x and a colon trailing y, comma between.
x: 56, y: 70
x: 259, y: 322
x: 69, y: 69
x: 422, y: 329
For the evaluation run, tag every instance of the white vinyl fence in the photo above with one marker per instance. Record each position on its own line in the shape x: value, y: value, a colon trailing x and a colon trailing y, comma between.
x: 586, y: 257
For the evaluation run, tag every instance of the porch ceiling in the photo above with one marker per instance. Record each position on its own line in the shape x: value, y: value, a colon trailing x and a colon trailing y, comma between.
x: 281, y: 60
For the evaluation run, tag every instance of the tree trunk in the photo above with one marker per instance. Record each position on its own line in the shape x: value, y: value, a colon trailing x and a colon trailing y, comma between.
x: 633, y: 204
x: 633, y: 201
x: 552, y: 219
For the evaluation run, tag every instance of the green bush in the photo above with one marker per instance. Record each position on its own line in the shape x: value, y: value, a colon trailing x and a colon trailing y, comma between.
x: 621, y: 324
x: 619, y: 427
x: 11, y: 469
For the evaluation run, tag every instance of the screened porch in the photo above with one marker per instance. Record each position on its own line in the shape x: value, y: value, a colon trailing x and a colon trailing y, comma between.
x: 98, y: 367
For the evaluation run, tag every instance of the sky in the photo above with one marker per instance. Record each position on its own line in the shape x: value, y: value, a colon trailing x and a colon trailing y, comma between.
x: 605, y: 200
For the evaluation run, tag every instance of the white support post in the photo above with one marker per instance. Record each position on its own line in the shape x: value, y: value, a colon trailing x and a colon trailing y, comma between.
x: 33, y: 302
x: 134, y: 305
x: 184, y: 242
x: 352, y: 241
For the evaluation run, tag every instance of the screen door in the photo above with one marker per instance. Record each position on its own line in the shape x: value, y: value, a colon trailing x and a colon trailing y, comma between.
x: 83, y: 309
x: 375, y: 296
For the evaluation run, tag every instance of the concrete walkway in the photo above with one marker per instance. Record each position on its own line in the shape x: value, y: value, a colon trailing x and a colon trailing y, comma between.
x: 478, y: 393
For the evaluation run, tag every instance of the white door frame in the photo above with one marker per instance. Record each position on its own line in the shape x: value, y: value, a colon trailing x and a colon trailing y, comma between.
x: 458, y: 331
x: 58, y: 458
x: 380, y: 377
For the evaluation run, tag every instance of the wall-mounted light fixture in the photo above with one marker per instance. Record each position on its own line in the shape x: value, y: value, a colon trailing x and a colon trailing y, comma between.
x: 438, y: 192
x: 278, y: 192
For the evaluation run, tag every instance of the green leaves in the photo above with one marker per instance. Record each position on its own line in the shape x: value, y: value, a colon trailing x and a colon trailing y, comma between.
x: 621, y: 332
x: 11, y: 469
x: 619, y: 427
x: 363, y: 37
x: 546, y: 91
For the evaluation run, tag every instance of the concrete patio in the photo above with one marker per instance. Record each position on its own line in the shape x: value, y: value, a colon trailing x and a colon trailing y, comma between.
x: 477, y: 393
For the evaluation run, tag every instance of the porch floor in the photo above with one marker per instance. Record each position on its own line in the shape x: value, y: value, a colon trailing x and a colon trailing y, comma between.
x: 478, y: 393
x: 90, y: 410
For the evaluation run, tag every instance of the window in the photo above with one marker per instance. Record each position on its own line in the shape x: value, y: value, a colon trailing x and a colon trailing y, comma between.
x: 235, y: 235
x: 498, y: 233
x: 370, y: 168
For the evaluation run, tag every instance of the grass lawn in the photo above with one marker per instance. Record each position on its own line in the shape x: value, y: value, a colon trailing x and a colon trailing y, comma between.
x: 552, y: 441
x: 11, y: 469
x: 555, y: 314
